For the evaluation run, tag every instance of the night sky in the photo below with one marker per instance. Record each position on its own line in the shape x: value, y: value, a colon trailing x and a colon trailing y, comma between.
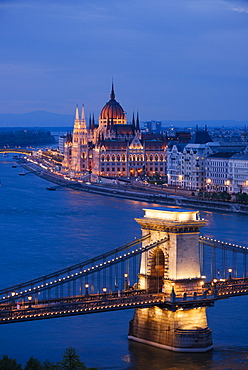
x: 169, y: 59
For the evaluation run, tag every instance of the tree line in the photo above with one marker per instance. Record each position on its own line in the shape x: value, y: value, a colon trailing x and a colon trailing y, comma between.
x: 70, y: 361
x: 11, y: 138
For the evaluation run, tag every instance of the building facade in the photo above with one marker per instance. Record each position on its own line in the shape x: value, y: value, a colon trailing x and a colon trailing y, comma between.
x: 186, y: 161
x: 227, y: 172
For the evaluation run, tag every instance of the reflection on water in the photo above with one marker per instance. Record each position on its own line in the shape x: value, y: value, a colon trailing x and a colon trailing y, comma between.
x: 42, y: 231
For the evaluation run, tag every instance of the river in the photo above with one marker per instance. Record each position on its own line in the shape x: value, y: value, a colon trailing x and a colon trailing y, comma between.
x: 42, y: 231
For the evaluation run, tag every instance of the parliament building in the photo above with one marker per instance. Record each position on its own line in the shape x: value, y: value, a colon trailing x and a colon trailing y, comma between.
x: 112, y: 147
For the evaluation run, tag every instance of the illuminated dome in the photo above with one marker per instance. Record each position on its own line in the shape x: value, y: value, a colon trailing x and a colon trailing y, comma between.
x: 112, y: 110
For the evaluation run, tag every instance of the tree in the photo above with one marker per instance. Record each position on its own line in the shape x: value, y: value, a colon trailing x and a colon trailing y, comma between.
x: 7, y: 363
x: 33, y: 364
x: 48, y: 365
x: 71, y: 360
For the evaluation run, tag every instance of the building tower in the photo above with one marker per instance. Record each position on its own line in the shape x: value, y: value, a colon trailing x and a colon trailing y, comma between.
x: 172, y: 269
x: 79, y: 151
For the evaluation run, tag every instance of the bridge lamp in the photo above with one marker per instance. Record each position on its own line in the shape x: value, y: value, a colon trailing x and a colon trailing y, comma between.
x: 126, y: 281
x: 104, y: 291
x: 230, y: 273
x: 87, y: 289
x: 214, y: 281
x: 29, y: 300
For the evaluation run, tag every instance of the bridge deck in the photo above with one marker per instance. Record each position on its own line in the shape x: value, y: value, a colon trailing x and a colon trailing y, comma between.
x: 86, y: 304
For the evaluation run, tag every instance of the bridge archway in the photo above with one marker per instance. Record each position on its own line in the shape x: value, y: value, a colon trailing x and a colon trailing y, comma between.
x: 156, y: 280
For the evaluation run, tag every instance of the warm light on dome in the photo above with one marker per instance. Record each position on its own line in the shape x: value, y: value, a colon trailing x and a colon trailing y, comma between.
x: 112, y: 112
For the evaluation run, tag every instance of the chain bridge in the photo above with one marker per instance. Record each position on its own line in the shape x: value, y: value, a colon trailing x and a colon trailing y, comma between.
x: 28, y: 152
x: 155, y: 273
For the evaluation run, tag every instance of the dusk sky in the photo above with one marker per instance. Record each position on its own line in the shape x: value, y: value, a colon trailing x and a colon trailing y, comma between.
x: 169, y: 59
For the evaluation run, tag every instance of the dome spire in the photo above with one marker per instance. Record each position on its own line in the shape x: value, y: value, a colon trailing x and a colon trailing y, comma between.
x: 112, y: 95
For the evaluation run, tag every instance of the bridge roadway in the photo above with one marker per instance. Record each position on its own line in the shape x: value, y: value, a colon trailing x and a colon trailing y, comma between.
x: 17, y: 151
x: 86, y: 304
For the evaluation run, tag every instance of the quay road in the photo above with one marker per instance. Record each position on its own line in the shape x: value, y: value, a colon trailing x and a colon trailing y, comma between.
x: 150, y: 194
x: 86, y: 304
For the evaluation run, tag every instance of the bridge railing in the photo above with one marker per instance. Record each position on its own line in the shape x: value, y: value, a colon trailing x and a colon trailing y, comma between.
x: 220, y: 259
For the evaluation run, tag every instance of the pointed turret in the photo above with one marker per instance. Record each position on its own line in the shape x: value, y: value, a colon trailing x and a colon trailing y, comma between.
x: 83, y: 113
x: 133, y: 120
x: 137, y: 123
x: 77, y: 113
x: 93, y: 121
x: 83, y: 120
x: 90, y: 124
x: 76, y: 120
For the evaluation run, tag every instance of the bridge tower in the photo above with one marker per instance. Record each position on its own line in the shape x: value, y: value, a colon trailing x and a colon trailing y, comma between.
x: 172, y: 269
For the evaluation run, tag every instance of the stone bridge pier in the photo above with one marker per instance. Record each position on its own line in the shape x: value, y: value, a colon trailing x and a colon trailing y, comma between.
x: 172, y: 268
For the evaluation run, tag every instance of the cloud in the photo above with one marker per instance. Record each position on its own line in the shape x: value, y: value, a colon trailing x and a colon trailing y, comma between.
x: 237, y: 6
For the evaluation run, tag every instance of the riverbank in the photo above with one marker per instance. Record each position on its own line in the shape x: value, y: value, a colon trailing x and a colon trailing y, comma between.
x: 133, y: 192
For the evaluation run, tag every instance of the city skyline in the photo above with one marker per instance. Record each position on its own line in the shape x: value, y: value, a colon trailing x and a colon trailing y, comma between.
x: 173, y: 60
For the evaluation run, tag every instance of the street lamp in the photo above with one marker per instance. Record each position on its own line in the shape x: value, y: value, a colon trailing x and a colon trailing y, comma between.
x: 29, y: 300
x: 86, y: 289
x: 230, y: 273
x: 126, y: 281
x: 105, y: 292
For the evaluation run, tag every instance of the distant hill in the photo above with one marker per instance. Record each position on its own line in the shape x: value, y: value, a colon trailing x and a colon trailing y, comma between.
x: 36, y: 119
x: 48, y: 119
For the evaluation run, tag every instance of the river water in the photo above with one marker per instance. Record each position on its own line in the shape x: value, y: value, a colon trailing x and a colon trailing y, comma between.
x: 43, y: 231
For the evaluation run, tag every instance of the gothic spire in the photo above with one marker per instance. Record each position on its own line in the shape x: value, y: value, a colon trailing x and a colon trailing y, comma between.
x: 90, y: 124
x: 83, y: 113
x: 133, y: 120
x: 112, y: 95
x: 77, y: 113
x: 137, y: 123
x: 83, y: 120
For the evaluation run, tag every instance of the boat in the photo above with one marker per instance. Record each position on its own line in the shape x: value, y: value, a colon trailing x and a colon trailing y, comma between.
x: 52, y: 188
x: 14, y: 166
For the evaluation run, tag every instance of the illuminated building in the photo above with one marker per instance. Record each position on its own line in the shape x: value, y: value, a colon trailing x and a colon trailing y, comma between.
x: 113, y: 147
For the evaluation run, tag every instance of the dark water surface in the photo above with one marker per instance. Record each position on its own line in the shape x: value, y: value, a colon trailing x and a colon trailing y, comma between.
x: 42, y: 231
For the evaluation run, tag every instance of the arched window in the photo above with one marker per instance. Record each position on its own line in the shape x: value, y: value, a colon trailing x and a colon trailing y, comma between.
x: 118, y: 158
x: 151, y: 158
x: 108, y: 158
x: 156, y: 158
x: 102, y: 158
x: 138, y: 158
x: 113, y: 158
x: 161, y: 158
x: 123, y: 158
x: 134, y: 158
